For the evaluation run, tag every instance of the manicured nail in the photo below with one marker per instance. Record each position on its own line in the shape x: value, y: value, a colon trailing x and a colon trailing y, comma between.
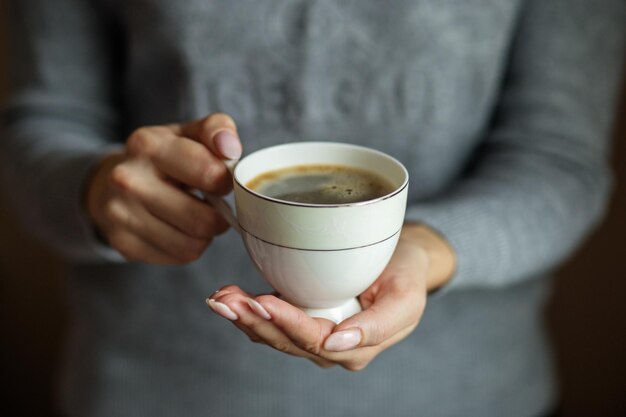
x: 228, y: 144
x: 258, y: 309
x: 344, y: 340
x: 222, y: 309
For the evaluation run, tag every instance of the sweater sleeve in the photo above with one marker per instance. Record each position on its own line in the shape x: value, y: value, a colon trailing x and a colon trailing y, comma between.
x: 59, y: 120
x: 540, y: 180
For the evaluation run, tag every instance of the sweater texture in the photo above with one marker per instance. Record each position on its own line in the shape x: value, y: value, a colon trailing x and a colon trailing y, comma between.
x: 500, y: 110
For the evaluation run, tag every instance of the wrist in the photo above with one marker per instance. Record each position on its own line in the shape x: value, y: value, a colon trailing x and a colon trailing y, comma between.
x: 441, y: 256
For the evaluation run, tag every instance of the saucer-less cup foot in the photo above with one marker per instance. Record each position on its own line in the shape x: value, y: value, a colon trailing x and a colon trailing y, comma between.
x: 336, y: 314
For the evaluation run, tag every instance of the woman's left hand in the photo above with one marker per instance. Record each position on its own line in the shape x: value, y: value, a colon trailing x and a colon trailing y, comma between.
x: 392, y: 308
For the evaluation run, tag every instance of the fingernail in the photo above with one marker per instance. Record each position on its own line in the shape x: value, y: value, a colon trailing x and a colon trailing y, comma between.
x: 228, y: 144
x: 344, y: 340
x: 222, y: 309
x: 258, y: 309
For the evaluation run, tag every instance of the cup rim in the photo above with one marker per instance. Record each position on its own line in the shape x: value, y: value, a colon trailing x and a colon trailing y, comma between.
x: 396, y: 191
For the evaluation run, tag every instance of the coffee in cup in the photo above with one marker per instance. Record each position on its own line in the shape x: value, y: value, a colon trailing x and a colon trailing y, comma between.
x: 321, y: 184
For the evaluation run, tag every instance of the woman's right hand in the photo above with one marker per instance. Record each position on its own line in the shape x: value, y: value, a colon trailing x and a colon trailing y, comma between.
x: 140, y: 199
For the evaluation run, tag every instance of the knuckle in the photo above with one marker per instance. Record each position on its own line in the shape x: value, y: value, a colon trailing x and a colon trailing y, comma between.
x: 311, y: 347
x: 400, y: 286
x: 268, y: 300
x: 160, y: 130
x: 355, y: 366
x: 121, y: 178
x: 225, y: 292
x: 282, y: 347
x: 218, y: 120
x: 115, y: 213
x: 229, y: 298
x: 378, y: 332
x: 231, y: 288
x: 142, y: 142
x: 109, y: 212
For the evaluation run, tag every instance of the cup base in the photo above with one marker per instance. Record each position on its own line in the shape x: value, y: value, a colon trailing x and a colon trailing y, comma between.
x: 336, y: 314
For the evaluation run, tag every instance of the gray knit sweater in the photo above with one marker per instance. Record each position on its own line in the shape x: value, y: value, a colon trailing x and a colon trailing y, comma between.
x: 500, y: 110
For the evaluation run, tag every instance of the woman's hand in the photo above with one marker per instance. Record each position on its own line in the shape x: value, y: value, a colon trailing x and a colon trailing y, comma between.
x: 140, y: 200
x: 392, y: 308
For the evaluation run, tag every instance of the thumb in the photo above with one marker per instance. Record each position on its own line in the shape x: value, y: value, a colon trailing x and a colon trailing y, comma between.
x: 388, y: 315
x: 218, y: 132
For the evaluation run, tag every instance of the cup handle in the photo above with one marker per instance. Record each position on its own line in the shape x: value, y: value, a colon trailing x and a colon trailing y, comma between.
x: 220, y: 204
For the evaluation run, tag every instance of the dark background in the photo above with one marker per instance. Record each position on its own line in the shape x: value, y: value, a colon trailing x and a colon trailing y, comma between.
x: 586, y: 316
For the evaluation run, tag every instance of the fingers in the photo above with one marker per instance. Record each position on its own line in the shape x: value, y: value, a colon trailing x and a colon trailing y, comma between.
x: 322, y: 363
x: 137, y: 198
x: 133, y: 248
x: 289, y: 330
x: 282, y: 326
x: 236, y: 305
x: 175, y: 206
x: 309, y: 334
x: 306, y: 332
x: 353, y: 344
x: 130, y: 218
x: 217, y: 132
x: 167, y: 219
x: 186, y: 161
x: 359, y: 358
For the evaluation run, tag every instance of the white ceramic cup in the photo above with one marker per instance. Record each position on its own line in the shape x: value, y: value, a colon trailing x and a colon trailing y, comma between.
x: 318, y: 257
